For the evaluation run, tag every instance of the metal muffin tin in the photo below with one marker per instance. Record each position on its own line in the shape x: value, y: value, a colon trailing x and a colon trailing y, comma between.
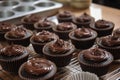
x: 12, y: 9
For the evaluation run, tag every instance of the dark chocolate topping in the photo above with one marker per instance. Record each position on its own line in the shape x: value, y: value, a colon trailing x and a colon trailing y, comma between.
x: 12, y: 50
x: 38, y: 66
x: 84, y: 18
x: 60, y: 47
x: 117, y: 32
x: 65, y: 14
x: 82, y: 33
x: 44, y: 36
x: 6, y: 26
x: 111, y: 40
x: 102, y: 24
x: 95, y: 54
x: 32, y: 18
x: 18, y: 32
x: 44, y: 23
x: 65, y: 26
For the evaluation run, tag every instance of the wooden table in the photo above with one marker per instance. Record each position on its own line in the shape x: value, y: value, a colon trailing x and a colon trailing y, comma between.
x: 98, y: 12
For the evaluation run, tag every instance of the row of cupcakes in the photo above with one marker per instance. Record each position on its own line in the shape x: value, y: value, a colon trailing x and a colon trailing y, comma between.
x: 82, y: 38
x: 102, y: 27
x: 36, y: 22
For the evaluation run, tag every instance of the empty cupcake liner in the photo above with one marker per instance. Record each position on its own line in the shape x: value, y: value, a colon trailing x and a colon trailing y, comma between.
x: 82, y: 76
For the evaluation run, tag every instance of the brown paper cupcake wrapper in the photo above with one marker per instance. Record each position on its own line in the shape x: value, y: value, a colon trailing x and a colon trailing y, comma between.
x: 13, y: 65
x: 82, y: 76
x: 115, y: 51
x: 99, y: 68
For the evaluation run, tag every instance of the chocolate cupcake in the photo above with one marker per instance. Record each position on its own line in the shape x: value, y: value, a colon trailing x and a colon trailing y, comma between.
x: 63, y: 29
x: 12, y: 56
x: 19, y: 35
x: 95, y: 60
x: 102, y: 27
x: 5, y: 27
x: 37, y: 69
x: 111, y: 43
x: 28, y: 21
x: 65, y: 16
x: 83, y: 38
x: 60, y: 52
x: 40, y: 39
x: 44, y: 25
x: 83, y: 21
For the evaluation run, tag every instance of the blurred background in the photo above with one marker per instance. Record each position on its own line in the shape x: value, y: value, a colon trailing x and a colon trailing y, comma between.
x: 110, y: 3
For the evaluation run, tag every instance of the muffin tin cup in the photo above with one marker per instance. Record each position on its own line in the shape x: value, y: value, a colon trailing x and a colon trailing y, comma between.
x: 9, y: 3
x: 6, y: 14
x: 13, y: 9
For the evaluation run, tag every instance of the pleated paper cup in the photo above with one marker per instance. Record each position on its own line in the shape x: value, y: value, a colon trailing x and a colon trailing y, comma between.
x: 82, y: 76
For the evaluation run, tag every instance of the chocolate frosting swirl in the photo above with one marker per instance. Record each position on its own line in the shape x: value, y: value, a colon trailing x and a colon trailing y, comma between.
x: 32, y: 18
x: 38, y: 66
x: 110, y: 40
x: 102, y: 24
x: 65, y: 26
x: 95, y: 54
x: 44, y: 36
x: 84, y: 18
x: 60, y: 47
x: 12, y: 50
x: 44, y: 23
x: 65, y: 14
x: 18, y: 32
x: 4, y: 26
x: 82, y: 33
x: 116, y: 32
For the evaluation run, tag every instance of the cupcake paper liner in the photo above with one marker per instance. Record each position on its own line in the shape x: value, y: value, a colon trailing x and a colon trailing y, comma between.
x: 13, y: 65
x: 97, y: 68
x: 82, y: 76
x: 115, y: 51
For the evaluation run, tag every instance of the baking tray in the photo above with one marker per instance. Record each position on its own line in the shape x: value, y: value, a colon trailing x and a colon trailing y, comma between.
x: 13, y: 10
